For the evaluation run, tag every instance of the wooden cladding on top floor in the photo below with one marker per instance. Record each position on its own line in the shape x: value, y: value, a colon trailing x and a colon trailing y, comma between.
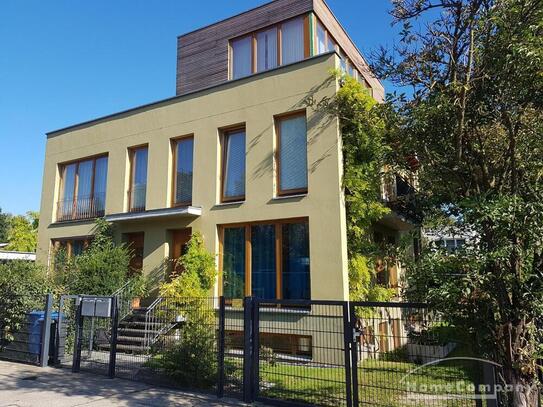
x: 203, y: 55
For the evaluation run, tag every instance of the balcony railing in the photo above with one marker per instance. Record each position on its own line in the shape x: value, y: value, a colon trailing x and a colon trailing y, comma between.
x: 136, y: 198
x: 81, y: 207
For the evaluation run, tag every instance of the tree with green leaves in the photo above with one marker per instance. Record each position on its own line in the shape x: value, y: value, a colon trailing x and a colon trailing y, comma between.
x: 364, y: 152
x: 474, y: 118
x: 4, y: 226
x: 23, y: 232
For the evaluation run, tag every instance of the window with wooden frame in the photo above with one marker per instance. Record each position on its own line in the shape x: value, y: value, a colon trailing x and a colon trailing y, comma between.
x: 277, y: 45
x: 137, y: 191
x: 183, y: 167
x: 82, y: 193
x: 72, y: 246
x: 233, y: 164
x: 291, y: 153
x: 269, y: 260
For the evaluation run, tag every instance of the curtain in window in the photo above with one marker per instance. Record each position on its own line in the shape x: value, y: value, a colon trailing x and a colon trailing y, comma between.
x: 295, y: 255
x: 84, y: 188
x: 234, y: 263
x: 322, y: 47
x: 68, y: 184
x: 139, y: 182
x: 100, y: 183
x: 266, y: 45
x: 184, y: 157
x: 234, y: 178
x: 293, y: 153
x: 292, y: 41
x: 263, y: 261
x: 242, y: 57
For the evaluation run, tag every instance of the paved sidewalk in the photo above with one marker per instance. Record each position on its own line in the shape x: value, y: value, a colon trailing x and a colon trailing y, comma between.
x: 24, y: 385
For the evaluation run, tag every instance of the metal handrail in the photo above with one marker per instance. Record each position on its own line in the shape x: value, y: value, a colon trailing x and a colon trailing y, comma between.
x: 156, y: 322
x: 124, y: 299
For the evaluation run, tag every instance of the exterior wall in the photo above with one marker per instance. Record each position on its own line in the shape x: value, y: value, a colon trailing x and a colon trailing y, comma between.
x: 202, y: 55
x: 253, y: 101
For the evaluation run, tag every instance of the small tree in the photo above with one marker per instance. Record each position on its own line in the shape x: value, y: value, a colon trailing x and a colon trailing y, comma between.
x: 23, y: 232
x: 4, y: 226
x: 191, y: 362
x: 101, y: 269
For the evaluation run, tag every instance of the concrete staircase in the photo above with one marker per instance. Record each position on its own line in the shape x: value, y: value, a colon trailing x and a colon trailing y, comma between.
x: 131, y: 333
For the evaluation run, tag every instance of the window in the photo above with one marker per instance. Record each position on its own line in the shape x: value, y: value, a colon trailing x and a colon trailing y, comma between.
x: 233, y: 165
x: 292, y: 41
x: 72, y: 247
x: 183, y: 167
x: 242, y: 62
x: 267, y: 260
x: 266, y: 49
x: 138, y: 179
x: 322, y: 45
x: 266, y: 46
x: 82, y: 189
x: 135, y: 242
x: 291, y: 156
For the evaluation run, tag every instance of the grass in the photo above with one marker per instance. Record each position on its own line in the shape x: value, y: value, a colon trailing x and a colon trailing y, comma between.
x: 381, y: 383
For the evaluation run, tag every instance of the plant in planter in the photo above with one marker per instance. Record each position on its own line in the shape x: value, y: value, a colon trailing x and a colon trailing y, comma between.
x: 139, y: 289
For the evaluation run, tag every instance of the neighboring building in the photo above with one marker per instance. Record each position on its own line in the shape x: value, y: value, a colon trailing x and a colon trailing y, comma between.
x: 8, y: 256
x: 236, y: 155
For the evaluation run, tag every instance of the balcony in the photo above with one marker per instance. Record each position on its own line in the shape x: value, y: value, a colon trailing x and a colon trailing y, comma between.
x: 81, y: 208
x: 136, y: 198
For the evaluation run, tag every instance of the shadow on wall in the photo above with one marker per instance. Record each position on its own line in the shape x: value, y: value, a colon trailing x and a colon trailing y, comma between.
x: 318, y: 121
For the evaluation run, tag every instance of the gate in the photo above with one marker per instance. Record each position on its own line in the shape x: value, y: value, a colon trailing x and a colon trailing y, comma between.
x: 96, y: 335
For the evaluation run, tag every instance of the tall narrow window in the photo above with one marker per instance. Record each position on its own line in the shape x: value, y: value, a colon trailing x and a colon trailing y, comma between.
x: 183, y: 164
x: 233, y: 266
x: 292, y: 154
x: 322, y: 45
x: 83, y: 189
x: 263, y: 261
x: 266, y: 45
x: 138, y: 182
x: 292, y: 41
x: 295, y: 256
x: 233, y: 166
x: 242, y: 61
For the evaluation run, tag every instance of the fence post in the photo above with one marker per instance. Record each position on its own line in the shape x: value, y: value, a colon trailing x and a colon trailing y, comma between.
x: 256, y: 350
x: 348, y: 345
x: 247, y: 349
x: 46, y: 331
x: 76, y: 362
x: 220, y: 354
x: 113, y: 345
x: 354, y: 356
x: 489, y: 379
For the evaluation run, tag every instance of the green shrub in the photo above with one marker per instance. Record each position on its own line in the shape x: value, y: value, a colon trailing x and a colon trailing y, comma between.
x: 23, y: 287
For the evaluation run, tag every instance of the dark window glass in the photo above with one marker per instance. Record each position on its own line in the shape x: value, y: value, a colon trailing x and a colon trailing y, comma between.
x: 295, y: 254
x: 100, y: 183
x: 139, y: 179
x: 263, y: 261
x: 234, y: 262
x: 292, y: 41
x: 266, y: 43
x: 242, y: 57
x: 184, y: 163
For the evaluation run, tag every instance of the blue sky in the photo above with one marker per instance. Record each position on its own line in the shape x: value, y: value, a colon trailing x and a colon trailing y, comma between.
x: 64, y: 62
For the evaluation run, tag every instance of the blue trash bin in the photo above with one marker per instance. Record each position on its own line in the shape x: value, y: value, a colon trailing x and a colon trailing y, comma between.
x: 35, y: 324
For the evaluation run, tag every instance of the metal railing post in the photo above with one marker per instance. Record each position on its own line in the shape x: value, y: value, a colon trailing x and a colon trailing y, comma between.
x: 46, y: 331
x: 348, y: 349
x: 220, y: 345
x: 76, y: 362
x: 247, y: 349
x: 256, y: 349
x: 354, y: 356
x: 113, y: 345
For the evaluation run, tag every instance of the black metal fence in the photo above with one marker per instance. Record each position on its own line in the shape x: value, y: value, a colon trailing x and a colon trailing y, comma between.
x: 326, y: 353
x: 25, y: 328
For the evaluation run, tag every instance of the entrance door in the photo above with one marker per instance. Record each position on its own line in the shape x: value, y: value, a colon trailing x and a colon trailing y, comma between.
x: 180, y: 238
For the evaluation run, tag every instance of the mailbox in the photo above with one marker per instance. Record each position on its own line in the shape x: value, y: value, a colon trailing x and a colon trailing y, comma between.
x: 96, y: 307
